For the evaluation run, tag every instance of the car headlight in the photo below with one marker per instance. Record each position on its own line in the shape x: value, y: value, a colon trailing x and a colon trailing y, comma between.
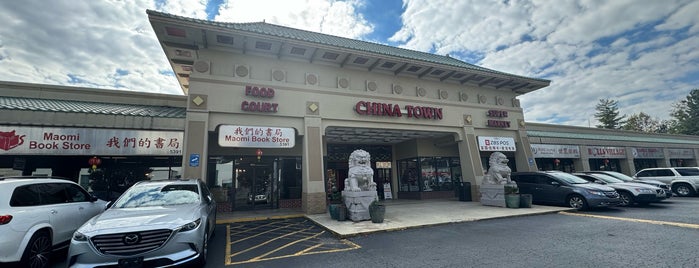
x: 190, y: 226
x: 78, y: 236
x: 596, y: 192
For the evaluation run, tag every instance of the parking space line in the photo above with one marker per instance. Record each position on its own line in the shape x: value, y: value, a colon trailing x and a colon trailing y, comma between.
x: 260, y: 241
x: 266, y: 242
x: 669, y: 223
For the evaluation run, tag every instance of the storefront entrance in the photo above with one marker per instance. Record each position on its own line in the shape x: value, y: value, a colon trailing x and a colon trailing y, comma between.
x: 256, y: 185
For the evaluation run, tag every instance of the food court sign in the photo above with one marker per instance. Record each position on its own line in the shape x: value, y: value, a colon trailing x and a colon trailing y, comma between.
x: 506, y: 144
x: 256, y: 136
x: 15, y: 140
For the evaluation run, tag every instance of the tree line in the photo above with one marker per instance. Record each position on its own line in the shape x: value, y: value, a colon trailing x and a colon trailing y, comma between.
x: 684, y: 117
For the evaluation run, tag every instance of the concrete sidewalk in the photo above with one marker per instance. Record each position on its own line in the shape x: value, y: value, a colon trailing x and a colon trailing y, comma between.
x: 400, y: 214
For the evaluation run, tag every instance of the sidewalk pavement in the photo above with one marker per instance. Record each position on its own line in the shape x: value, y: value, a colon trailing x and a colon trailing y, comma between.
x: 400, y: 214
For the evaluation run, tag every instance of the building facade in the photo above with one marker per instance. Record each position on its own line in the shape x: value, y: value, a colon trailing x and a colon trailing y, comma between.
x: 267, y: 101
x: 270, y: 114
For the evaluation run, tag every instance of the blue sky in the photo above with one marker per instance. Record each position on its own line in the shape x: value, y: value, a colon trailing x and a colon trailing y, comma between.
x: 643, y: 53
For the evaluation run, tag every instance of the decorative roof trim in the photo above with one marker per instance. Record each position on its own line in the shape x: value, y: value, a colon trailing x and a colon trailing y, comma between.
x: 288, y: 33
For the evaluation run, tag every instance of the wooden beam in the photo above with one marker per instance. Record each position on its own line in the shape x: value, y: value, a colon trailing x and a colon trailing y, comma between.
x: 467, y: 78
x: 344, y: 61
x: 446, y: 76
x: 373, y: 65
x: 400, y: 69
x: 486, y: 81
x: 425, y: 72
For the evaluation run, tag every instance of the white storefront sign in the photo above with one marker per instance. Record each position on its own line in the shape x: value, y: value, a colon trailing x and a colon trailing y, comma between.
x: 555, y: 151
x: 606, y: 152
x: 647, y: 152
x: 680, y: 153
x: 16, y: 140
x: 496, y: 144
x: 256, y: 136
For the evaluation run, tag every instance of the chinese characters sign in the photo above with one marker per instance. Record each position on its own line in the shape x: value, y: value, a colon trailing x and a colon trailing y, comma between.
x: 506, y: 144
x: 256, y: 137
x: 88, y: 141
x: 555, y: 151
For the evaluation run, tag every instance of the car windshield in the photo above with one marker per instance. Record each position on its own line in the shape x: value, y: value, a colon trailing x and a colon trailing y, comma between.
x: 148, y: 195
x: 570, y: 178
x: 606, y: 178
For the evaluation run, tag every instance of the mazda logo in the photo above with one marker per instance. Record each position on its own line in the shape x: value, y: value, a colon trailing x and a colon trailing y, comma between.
x: 131, y: 239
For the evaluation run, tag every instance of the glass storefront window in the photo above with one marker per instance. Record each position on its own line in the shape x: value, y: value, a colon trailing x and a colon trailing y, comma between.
x: 408, y: 175
x: 431, y: 174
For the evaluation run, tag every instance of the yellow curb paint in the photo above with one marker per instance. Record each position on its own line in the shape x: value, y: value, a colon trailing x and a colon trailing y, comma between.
x: 669, y: 223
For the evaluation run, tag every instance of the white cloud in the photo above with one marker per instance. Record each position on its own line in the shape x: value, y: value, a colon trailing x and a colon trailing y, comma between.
x: 325, y: 16
x: 589, y: 49
x: 47, y: 42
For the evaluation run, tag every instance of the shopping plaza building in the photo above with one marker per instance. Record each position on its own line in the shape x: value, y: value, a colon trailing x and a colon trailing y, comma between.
x: 269, y: 116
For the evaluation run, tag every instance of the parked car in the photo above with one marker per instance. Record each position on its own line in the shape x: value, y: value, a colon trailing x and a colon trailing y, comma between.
x: 626, y: 178
x: 629, y: 192
x: 39, y: 215
x: 555, y: 187
x: 684, y: 181
x: 153, y: 224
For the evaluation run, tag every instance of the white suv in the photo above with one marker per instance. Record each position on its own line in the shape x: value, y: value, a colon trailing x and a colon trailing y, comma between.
x: 684, y: 181
x: 39, y: 215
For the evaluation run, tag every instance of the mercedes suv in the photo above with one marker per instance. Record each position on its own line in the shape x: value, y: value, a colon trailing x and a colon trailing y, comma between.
x: 39, y: 215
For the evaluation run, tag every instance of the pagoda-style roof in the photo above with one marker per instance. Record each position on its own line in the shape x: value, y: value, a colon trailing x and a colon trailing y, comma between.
x: 181, y: 37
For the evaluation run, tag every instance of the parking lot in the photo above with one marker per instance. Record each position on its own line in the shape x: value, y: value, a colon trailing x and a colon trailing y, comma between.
x: 279, y: 238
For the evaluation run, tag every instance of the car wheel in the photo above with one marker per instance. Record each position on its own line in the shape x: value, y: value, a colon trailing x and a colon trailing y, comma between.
x: 204, y: 249
x: 38, y: 251
x: 682, y: 189
x: 626, y: 199
x: 577, y: 202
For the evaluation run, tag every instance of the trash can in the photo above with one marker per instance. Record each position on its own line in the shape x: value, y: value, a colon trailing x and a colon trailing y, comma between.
x: 464, y: 191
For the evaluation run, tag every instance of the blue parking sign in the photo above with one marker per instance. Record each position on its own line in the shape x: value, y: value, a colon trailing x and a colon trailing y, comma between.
x: 194, y: 160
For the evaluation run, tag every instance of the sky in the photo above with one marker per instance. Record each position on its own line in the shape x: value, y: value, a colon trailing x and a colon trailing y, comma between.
x: 642, y: 53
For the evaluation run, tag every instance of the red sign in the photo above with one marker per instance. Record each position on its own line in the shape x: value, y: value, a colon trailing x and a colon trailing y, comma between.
x: 259, y: 106
x: 394, y: 110
x: 9, y: 140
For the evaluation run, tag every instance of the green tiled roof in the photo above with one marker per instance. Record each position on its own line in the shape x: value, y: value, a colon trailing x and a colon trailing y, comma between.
x: 71, y: 106
x: 341, y: 42
x: 608, y: 137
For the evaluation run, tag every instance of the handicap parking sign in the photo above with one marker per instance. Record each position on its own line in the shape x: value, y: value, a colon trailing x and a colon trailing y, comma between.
x: 194, y: 160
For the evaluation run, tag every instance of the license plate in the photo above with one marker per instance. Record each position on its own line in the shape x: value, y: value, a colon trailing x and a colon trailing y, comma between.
x: 131, y: 262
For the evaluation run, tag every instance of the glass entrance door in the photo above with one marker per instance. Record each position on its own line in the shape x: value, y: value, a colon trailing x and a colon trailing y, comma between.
x: 256, y: 184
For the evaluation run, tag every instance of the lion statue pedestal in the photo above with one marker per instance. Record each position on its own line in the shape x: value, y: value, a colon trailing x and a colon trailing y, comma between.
x: 492, y: 188
x: 360, y: 188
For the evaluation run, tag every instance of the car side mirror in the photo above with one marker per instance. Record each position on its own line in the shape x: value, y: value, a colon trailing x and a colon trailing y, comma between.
x: 93, y: 198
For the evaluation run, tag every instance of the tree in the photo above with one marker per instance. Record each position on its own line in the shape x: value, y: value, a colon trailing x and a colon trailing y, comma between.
x: 686, y: 115
x: 608, y: 114
x: 642, y: 122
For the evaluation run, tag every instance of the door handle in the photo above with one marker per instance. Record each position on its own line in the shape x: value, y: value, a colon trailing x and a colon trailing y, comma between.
x: 81, y: 208
x: 53, y: 211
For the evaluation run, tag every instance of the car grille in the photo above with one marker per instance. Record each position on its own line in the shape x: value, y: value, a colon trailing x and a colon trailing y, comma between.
x: 126, y: 244
x: 613, y: 194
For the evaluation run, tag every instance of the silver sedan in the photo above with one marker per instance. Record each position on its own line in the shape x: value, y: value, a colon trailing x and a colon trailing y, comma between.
x: 152, y: 224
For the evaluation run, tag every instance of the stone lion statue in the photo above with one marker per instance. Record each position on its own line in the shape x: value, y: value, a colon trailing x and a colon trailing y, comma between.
x: 360, y: 176
x: 499, y: 172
